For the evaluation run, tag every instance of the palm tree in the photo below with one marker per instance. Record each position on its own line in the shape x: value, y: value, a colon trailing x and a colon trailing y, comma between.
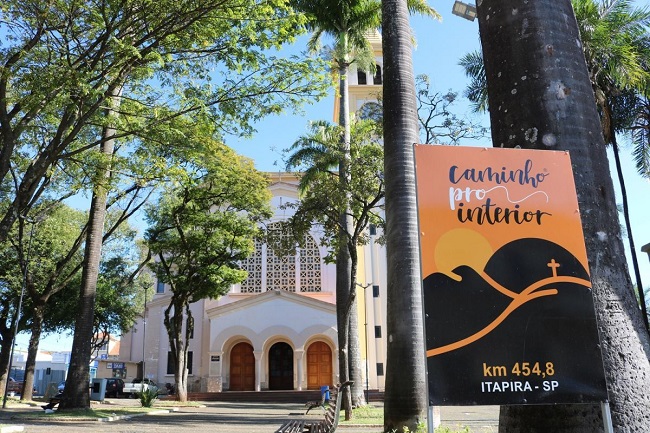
x: 318, y: 153
x: 615, y: 43
x: 348, y: 23
x: 559, y: 109
x: 641, y: 134
x: 405, y: 400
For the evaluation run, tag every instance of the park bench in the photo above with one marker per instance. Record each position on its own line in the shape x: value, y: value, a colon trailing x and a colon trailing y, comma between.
x: 53, y: 401
x: 327, y: 425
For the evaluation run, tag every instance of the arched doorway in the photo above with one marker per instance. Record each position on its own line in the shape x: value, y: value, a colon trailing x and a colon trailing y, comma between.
x: 242, y: 368
x: 280, y: 366
x: 319, y: 365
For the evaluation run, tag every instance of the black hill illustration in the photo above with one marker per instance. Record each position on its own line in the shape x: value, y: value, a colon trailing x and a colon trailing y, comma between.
x: 531, y: 303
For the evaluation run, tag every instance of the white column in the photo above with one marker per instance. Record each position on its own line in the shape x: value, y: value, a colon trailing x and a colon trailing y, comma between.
x: 299, y: 356
x: 258, y: 369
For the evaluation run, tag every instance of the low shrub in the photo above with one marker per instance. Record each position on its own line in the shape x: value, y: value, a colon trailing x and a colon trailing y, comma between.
x: 148, y: 397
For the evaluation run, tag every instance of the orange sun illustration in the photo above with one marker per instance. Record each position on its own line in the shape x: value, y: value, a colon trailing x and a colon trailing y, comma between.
x: 461, y: 247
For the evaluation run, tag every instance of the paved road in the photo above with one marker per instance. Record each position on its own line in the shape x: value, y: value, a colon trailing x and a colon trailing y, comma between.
x: 238, y: 418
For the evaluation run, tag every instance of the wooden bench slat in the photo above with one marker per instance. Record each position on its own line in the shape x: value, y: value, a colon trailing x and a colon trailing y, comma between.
x: 291, y: 426
x: 327, y: 425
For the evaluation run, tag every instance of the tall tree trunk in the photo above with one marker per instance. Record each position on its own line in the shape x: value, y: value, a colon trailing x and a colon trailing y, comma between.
x: 343, y: 258
x: 76, y: 394
x: 540, y: 97
x: 343, y: 323
x: 179, y: 345
x: 406, y: 397
x: 6, y: 333
x: 32, y: 351
x: 356, y: 373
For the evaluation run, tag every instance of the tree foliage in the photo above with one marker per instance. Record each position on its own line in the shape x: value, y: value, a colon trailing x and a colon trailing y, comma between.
x: 60, y: 61
x: 316, y: 156
x: 71, y: 72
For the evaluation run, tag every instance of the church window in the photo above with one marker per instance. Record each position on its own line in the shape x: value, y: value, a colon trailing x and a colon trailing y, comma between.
x: 371, y: 110
x: 171, y: 365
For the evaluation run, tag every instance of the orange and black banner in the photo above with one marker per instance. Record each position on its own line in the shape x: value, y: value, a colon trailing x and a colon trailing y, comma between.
x: 507, y: 296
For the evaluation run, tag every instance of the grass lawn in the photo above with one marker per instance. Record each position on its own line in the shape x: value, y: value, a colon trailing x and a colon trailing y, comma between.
x: 371, y: 415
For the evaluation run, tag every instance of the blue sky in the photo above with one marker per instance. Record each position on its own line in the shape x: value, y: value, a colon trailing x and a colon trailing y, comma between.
x: 439, y: 47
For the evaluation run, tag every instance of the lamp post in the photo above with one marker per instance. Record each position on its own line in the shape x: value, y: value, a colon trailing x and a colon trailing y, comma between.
x: 365, y: 319
x: 20, y: 304
x: 464, y: 10
x: 144, y: 334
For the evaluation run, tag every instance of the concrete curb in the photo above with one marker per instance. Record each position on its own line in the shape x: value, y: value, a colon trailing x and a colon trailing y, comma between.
x: 12, y: 428
x: 121, y: 417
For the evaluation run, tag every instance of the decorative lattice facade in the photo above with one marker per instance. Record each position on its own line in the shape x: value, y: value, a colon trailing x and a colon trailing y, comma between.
x: 310, y: 271
x: 253, y: 264
x: 293, y: 273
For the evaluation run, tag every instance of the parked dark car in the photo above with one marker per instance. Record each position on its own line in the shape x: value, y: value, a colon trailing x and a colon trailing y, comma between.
x: 16, y: 386
x: 114, y: 387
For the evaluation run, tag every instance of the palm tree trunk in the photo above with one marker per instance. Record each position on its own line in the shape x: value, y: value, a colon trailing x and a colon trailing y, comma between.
x: 343, y: 259
x: 343, y: 323
x: 76, y: 389
x: 541, y: 98
x: 405, y: 400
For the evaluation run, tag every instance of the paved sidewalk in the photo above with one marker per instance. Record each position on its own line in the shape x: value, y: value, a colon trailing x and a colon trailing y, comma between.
x: 222, y: 417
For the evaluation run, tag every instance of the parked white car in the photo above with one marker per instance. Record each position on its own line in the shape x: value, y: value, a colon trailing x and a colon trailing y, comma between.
x: 138, y: 386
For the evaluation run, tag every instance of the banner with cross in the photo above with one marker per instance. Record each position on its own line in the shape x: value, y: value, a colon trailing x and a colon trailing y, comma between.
x: 508, y: 305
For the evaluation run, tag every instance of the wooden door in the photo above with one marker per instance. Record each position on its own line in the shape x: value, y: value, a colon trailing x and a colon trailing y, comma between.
x: 280, y: 366
x: 242, y: 368
x: 319, y: 365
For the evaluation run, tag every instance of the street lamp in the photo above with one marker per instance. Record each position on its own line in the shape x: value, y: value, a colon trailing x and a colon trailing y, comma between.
x: 365, y: 319
x: 20, y: 303
x: 464, y: 10
x: 144, y: 333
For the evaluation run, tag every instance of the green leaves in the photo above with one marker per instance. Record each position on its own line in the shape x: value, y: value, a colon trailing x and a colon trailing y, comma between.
x: 317, y: 155
x: 207, y: 62
x: 204, y: 225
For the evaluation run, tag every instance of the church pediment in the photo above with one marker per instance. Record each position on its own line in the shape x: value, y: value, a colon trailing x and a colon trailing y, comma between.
x: 277, y: 299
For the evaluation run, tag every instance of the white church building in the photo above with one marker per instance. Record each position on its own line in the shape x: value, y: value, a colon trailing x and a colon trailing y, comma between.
x: 277, y: 329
